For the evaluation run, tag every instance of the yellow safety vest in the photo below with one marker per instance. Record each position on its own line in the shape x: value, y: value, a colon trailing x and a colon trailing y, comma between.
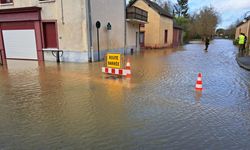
x: 241, y: 39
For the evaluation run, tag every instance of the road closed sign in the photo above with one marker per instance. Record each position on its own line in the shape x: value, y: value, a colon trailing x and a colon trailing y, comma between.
x: 114, y: 60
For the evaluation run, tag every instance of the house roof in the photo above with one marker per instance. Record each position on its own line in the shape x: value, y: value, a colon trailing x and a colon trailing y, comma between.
x: 156, y: 7
x: 241, y: 23
x: 176, y: 26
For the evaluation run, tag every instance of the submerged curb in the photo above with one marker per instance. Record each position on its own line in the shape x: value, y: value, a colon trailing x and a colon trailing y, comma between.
x: 244, y: 62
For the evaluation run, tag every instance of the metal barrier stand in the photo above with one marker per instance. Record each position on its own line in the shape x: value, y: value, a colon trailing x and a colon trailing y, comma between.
x: 56, y: 54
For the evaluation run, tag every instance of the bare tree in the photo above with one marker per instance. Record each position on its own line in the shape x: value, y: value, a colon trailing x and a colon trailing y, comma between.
x: 165, y: 4
x: 192, y: 27
x: 204, y: 23
x: 208, y: 19
x: 168, y: 6
x: 230, y: 31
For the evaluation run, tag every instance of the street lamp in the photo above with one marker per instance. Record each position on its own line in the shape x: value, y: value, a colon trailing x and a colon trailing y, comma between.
x: 246, y: 15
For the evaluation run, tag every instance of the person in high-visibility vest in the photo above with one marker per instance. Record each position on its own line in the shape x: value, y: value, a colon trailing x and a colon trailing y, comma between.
x: 241, y: 43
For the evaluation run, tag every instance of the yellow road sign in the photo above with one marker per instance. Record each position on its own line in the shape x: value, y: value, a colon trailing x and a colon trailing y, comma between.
x: 114, y: 60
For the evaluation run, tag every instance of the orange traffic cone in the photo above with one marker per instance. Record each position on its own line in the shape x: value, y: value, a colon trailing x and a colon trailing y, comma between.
x: 128, y: 68
x: 198, y: 85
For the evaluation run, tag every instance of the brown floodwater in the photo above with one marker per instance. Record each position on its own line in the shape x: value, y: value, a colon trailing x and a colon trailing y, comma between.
x: 75, y: 106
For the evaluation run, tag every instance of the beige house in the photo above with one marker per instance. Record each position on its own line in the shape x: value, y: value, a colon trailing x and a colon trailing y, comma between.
x: 42, y: 29
x: 244, y: 27
x: 158, y: 33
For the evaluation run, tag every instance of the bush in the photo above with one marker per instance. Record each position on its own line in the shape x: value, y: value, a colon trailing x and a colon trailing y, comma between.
x: 236, y: 41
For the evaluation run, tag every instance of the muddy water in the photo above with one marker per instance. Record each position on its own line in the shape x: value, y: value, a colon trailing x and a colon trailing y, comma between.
x: 74, y: 106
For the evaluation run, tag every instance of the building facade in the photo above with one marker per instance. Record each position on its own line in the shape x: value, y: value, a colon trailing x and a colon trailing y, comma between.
x: 177, y: 36
x: 112, y: 40
x: 135, y: 18
x: 37, y: 29
x: 244, y: 27
x: 158, y: 33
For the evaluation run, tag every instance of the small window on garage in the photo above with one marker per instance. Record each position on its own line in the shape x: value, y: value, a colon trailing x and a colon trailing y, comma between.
x: 6, y: 1
x: 50, y: 35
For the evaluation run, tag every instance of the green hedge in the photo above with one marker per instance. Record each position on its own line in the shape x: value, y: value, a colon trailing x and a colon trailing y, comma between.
x: 236, y: 41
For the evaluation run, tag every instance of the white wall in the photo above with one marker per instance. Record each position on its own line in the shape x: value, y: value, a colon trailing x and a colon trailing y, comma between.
x: 132, y: 28
x: 105, y: 11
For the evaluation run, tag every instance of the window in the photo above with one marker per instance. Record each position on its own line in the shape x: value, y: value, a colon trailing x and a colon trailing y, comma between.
x: 6, y: 1
x: 166, y: 37
x: 50, y: 35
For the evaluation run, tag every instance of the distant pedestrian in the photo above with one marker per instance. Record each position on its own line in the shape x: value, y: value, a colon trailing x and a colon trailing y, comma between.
x: 206, y: 43
x: 241, y: 44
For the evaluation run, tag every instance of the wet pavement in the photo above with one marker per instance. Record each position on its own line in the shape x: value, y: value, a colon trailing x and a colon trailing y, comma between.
x: 75, y: 106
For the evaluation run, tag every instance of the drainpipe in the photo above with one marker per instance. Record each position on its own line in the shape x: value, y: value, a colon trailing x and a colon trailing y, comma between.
x: 138, y: 42
x: 248, y: 30
x: 125, y: 25
x: 62, y: 11
x: 89, y: 24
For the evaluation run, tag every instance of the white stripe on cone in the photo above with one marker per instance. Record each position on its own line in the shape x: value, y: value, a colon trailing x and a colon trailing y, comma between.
x: 198, y: 86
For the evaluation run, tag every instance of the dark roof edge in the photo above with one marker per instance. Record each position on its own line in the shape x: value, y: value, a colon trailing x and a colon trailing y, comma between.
x: 178, y: 27
x: 20, y: 9
x: 168, y: 16
x: 241, y: 23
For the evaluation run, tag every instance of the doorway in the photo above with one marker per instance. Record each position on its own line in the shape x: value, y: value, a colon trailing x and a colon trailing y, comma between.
x: 142, y: 39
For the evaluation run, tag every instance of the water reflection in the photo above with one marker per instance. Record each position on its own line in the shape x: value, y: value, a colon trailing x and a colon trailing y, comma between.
x: 198, y: 95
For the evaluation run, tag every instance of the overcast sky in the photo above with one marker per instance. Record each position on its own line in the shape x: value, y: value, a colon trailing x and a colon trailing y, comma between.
x: 230, y: 10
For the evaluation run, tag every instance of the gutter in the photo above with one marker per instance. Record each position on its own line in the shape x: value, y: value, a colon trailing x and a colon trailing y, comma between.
x: 241, y: 63
x: 62, y: 11
x: 125, y: 27
x: 89, y: 27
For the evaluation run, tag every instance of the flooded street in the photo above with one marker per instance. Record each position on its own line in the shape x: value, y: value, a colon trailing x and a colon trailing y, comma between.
x: 74, y: 106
